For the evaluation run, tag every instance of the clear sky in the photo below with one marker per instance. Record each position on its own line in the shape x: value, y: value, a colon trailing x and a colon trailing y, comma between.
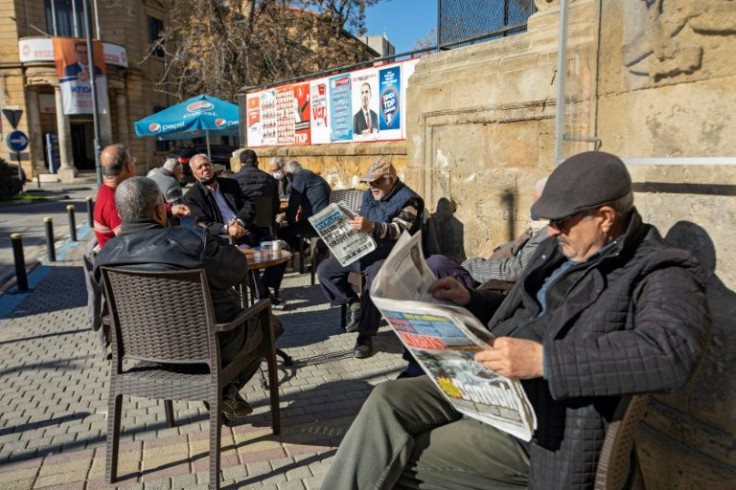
x: 403, y: 21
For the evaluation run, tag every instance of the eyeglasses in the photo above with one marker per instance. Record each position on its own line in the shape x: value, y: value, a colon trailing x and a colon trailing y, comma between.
x: 379, y: 181
x: 563, y: 225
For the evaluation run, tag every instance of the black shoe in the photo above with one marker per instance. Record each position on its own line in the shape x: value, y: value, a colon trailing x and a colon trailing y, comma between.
x: 277, y: 303
x: 353, y: 319
x: 235, y: 409
x: 363, y: 347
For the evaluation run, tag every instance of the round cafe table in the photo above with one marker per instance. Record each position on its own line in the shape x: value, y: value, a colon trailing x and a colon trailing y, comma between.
x: 256, y: 262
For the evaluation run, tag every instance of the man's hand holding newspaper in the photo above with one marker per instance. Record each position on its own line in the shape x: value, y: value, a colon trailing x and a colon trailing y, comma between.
x: 336, y: 226
x: 451, y: 345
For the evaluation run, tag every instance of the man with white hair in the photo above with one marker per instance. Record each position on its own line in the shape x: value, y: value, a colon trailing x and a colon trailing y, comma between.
x: 168, y: 177
x: 276, y: 166
x: 310, y: 194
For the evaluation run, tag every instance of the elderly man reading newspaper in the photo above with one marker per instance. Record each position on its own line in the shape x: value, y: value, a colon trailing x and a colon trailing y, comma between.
x: 604, y: 309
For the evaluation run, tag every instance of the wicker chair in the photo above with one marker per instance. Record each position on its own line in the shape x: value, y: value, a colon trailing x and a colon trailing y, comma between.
x: 618, y: 467
x: 177, y: 349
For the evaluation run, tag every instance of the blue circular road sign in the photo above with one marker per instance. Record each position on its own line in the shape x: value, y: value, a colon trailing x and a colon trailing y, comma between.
x: 17, y: 141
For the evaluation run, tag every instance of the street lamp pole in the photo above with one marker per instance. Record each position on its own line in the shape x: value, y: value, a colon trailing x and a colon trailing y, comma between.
x: 93, y: 86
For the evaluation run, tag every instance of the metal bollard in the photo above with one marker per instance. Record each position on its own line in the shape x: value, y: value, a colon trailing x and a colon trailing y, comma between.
x: 50, y: 247
x: 72, y: 223
x: 20, y: 261
x: 90, y: 212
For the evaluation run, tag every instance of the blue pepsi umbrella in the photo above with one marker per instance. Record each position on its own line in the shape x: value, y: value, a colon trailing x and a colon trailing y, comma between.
x: 202, y: 114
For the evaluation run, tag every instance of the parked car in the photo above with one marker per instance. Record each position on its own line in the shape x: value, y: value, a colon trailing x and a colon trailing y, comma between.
x: 11, y: 180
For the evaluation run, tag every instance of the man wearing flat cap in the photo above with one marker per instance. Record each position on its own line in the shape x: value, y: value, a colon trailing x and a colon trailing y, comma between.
x: 604, y: 309
x: 389, y: 208
x: 168, y: 177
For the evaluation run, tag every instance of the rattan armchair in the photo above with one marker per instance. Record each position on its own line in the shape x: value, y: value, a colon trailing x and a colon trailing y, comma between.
x: 618, y: 466
x: 177, y: 348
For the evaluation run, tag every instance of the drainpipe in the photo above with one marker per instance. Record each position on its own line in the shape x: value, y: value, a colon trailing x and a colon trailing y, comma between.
x: 561, y: 76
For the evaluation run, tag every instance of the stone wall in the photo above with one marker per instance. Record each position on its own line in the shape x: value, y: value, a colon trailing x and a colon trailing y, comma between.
x: 644, y: 79
x: 342, y: 165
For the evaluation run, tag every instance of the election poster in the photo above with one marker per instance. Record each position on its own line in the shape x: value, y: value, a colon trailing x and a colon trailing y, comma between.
x: 72, y: 66
x: 255, y: 135
x: 320, y: 127
x: 362, y: 105
x: 389, y: 99
x: 341, y: 126
x: 301, y: 114
x: 285, y: 115
x: 365, y: 104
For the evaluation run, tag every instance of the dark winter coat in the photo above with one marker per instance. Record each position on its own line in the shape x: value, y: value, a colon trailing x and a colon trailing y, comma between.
x: 634, y: 320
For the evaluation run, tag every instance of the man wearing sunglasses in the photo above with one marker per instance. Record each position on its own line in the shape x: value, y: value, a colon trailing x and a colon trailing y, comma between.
x: 604, y: 309
x: 388, y: 208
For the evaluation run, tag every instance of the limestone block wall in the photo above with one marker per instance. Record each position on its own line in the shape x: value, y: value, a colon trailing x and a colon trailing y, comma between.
x: 342, y: 165
x: 645, y: 79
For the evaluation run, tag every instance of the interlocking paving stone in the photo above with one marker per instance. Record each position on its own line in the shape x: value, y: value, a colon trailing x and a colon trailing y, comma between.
x: 53, y: 383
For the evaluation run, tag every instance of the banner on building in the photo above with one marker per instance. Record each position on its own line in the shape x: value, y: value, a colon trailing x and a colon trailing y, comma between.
x: 70, y: 57
x: 363, y: 105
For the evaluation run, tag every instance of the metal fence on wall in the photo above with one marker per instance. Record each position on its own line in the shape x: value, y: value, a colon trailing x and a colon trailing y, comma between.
x: 467, y: 21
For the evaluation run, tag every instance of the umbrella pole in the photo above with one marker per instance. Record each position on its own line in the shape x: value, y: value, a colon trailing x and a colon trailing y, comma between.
x: 207, y: 138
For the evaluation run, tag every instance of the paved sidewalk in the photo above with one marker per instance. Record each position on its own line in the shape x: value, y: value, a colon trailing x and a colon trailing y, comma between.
x: 53, y: 390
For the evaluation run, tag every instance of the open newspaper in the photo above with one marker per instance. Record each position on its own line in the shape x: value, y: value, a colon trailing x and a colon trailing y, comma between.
x: 444, y: 339
x: 333, y: 227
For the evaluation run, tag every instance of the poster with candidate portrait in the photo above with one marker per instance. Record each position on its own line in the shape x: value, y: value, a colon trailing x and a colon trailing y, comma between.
x: 341, y: 125
x: 365, y: 105
x: 72, y: 66
x: 359, y: 106
x: 389, y: 101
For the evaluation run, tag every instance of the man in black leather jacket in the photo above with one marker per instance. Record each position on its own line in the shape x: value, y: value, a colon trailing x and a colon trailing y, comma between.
x: 145, y: 242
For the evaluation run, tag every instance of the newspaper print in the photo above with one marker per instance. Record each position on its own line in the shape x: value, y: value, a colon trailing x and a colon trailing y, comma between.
x: 346, y: 244
x: 444, y: 339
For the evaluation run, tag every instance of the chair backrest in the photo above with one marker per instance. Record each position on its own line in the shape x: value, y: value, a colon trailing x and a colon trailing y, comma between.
x: 265, y: 216
x: 161, y: 316
x: 352, y: 198
x: 617, y: 463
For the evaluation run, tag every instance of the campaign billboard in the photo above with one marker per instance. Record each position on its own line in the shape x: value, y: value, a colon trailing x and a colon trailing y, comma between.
x: 358, y: 106
x: 72, y: 67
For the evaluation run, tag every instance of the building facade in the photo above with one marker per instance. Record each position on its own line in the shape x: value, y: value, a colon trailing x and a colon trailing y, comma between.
x: 29, y: 81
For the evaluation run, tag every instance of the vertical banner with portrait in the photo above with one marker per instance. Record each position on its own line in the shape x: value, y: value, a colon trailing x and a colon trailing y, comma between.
x: 301, y: 114
x: 365, y: 105
x: 320, y: 127
x: 72, y: 67
x: 341, y: 127
x: 389, y: 101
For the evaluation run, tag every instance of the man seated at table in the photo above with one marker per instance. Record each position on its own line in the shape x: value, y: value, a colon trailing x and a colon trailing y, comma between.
x: 388, y: 209
x: 310, y: 194
x: 605, y: 309
x: 145, y: 242
x: 254, y: 182
x: 218, y: 204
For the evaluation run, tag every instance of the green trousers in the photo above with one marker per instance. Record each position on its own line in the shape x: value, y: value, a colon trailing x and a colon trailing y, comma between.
x: 408, y: 436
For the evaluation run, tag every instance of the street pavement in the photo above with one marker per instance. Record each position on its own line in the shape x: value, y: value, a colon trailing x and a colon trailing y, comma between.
x: 53, y: 390
x: 26, y: 217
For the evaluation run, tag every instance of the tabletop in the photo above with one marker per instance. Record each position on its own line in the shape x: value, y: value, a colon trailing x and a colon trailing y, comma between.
x: 260, y: 259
